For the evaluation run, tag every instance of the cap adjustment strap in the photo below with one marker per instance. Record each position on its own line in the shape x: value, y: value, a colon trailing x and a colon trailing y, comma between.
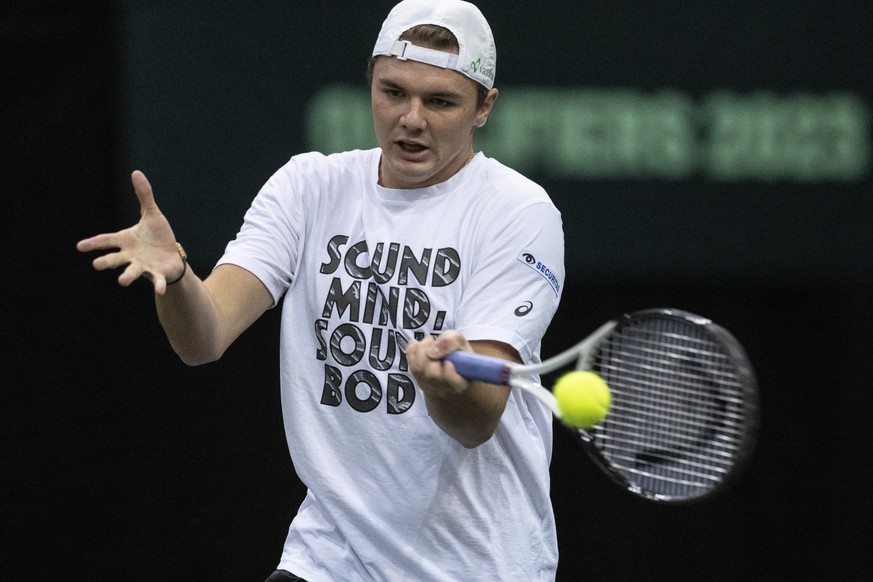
x: 405, y: 50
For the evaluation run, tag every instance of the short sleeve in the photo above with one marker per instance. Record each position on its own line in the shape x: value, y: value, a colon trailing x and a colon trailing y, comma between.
x: 516, y: 279
x: 268, y: 243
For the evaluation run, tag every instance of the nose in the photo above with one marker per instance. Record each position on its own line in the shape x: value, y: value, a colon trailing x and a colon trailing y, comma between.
x: 414, y: 118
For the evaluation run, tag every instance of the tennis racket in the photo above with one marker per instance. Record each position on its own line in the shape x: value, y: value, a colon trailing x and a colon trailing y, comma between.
x: 684, y: 411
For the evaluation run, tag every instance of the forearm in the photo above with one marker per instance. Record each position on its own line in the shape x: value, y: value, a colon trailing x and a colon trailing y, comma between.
x: 202, y: 318
x: 472, y: 416
x: 189, y: 316
x: 467, y: 411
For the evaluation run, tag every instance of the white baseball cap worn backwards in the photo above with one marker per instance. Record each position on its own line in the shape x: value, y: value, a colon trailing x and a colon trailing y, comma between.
x: 477, y: 56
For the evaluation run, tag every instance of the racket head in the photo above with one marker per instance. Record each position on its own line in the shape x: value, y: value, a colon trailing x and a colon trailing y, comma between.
x: 685, y: 407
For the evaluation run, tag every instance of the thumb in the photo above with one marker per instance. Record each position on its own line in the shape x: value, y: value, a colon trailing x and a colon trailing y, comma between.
x: 143, y: 192
x: 446, y: 343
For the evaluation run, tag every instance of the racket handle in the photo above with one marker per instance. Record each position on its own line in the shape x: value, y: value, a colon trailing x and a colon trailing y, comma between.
x: 487, y: 369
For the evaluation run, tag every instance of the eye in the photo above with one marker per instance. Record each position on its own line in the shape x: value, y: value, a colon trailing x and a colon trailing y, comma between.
x: 441, y: 103
x: 391, y: 92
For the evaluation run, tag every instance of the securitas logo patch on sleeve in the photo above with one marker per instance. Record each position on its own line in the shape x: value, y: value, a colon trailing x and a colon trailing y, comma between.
x: 528, y: 258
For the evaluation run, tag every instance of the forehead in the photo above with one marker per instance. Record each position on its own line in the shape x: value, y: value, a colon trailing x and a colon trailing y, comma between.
x: 421, y: 77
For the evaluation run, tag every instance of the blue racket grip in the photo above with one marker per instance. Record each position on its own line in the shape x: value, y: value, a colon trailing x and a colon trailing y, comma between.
x: 487, y: 369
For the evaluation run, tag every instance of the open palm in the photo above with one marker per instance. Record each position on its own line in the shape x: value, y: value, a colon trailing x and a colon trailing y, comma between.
x: 147, y: 249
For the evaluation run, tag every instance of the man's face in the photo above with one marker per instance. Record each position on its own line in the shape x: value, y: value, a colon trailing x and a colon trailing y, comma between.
x: 424, y: 118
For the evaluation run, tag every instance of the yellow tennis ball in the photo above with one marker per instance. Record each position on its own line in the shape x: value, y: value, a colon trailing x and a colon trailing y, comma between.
x: 583, y: 398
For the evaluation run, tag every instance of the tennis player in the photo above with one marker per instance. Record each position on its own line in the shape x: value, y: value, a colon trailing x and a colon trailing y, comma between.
x: 387, y: 260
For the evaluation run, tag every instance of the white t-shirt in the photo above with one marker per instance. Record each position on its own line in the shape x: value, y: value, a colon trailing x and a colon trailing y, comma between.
x: 362, y: 268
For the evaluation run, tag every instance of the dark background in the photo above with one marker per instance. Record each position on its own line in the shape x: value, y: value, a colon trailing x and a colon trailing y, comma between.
x: 117, y: 462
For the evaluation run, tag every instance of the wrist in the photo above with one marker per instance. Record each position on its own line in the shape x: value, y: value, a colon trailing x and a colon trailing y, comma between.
x: 184, y: 256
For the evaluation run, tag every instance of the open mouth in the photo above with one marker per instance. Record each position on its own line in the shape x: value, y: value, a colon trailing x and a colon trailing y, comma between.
x: 411, y: 148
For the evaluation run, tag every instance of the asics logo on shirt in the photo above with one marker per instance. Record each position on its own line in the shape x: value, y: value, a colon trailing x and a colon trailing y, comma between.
x: 524, y: 309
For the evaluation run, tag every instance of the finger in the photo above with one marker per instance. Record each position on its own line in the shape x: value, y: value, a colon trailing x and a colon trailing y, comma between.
x: 447, y: 342
x: 98, y: 242
x: 427, y: 350
x: 160, y: 285
x: 420, y: 363
x: 449, y: 372
x: 412, y: 345
x: 134, y: 272
x: 144, y: 193
x: 129, y: 275
x: 112, y: 261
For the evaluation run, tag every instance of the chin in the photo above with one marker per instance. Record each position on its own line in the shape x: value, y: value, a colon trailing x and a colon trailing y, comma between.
x: 400, y: 174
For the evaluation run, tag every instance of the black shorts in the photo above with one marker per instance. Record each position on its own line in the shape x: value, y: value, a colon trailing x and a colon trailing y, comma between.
x: 284, y: 576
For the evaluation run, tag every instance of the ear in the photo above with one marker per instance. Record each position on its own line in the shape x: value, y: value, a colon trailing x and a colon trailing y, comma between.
x: 485, y: 110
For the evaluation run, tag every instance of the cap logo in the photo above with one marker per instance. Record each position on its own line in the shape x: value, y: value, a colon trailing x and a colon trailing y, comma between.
x: 476, y: 67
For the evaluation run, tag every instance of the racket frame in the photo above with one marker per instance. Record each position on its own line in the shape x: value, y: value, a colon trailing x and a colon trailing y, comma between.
x: 498, y: 371
x: 749, y: 398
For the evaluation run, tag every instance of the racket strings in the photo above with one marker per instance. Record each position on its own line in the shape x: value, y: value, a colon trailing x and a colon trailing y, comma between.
x: 675, y: 425
x: 695, y: 358
x: 674, y: 437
